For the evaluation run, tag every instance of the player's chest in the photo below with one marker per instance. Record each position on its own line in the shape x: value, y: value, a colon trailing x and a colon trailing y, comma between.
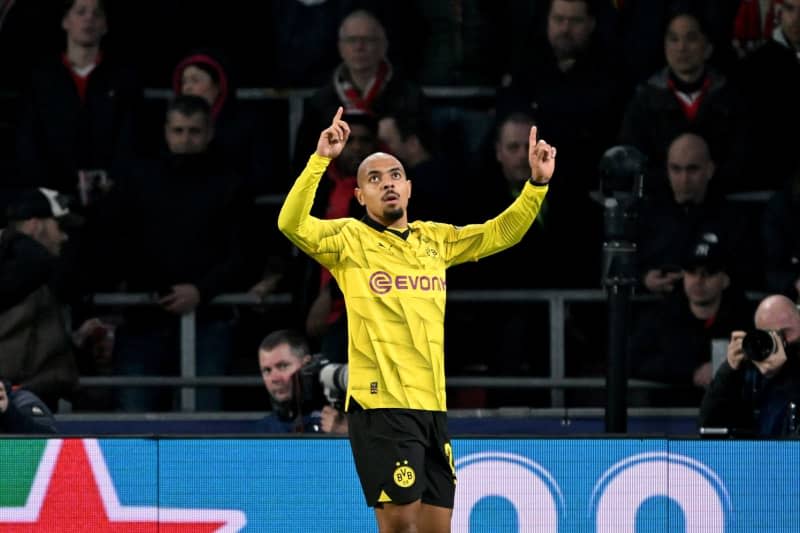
x: 415, y: 253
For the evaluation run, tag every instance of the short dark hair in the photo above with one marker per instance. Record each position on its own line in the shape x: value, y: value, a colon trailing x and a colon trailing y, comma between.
x: 363, y: 118
x: 67, y: 5
x: 514, y: 117
x: 591, y: 6
x: 409, y: 124
x: 188, y: 105
x: 686, y: 9
x: 297, y: 342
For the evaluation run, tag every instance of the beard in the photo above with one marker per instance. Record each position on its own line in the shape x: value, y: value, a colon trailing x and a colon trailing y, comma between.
x: 393, y: 214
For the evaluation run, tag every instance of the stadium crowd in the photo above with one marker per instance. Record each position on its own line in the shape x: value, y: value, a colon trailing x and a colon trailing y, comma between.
x: 145, y: 122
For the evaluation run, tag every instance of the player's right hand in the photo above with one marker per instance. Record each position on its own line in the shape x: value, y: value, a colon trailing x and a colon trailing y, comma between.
x: 735, y: 354
x: 333, y: 138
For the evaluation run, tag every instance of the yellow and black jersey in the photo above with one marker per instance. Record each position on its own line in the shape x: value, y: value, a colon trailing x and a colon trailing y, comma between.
x: 395, y: 287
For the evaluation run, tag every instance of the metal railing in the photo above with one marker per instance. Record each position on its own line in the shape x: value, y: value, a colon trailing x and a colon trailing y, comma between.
x: 295, y: 100
x: 189, y: 382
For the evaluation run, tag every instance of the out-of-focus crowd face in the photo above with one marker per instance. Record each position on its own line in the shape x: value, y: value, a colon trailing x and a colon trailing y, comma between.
x: 187, y: 134
x: 703, y: 287
x: 362, y: 43
x: 790, y: 20
x: 361, y: 143
x: 198, y: 82
x: 49, y: 234
x: 686, y: 48
x: 85, y: 23
x: 569, y: 27
x: 511, y: 151
x: 690, y: 169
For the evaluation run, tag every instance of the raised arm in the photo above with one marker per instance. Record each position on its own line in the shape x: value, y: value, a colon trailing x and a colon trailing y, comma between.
x: 295, y: 220
x: 472, y: 242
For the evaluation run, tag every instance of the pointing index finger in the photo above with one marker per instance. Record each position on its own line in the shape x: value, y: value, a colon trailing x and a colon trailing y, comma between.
x: 532, y: 139
x: 338, y: 116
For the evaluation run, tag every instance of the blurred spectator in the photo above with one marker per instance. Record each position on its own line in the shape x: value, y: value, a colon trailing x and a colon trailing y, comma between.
x: 242, y: 136
x: 575, y: 91
x: 21, y: 411
x: 769, y: 79
x: 753, y: 25
x: 640, y: 30
x: 364, y: 81
x: 295, y: 407
x: 304, y: 36
x: 411, y: 140
x: 666, y: 225
x: 671, y: 341
x: 34, y: 340
x: 462, y: 43
x: 78, y: 113
x: 689, y: 93
x: 173, y: 228
x: 781, y: 236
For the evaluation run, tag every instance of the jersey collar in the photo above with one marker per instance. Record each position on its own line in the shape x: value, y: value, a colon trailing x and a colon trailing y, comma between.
x: 377, y: 226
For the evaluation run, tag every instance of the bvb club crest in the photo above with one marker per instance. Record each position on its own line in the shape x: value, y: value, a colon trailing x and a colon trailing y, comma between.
x: 404, y: 476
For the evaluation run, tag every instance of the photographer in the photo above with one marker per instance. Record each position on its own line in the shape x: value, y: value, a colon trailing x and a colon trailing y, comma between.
x: 305, y: 390
x: 757, y: 389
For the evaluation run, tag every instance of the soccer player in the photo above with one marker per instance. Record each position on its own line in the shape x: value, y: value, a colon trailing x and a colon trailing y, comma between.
x: 392, y: 275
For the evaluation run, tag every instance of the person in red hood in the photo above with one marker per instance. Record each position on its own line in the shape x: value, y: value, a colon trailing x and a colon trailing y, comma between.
x: 241, y: 136
x: 245, y: 143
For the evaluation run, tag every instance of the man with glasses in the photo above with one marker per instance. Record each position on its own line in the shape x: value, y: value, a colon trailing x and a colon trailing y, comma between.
x: 364, y: 81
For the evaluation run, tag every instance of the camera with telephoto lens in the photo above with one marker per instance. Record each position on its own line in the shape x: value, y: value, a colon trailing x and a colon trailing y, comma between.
x: 758, y: 344
x: 323, y: 381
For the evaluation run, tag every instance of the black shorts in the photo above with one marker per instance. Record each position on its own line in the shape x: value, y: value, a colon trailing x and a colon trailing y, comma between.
x: 403, y: 455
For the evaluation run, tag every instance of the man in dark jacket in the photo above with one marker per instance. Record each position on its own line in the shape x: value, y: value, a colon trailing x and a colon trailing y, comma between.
x: 36, y: 350
x: 671, y: 341
x: 173, y: 228
x: 78, y: 110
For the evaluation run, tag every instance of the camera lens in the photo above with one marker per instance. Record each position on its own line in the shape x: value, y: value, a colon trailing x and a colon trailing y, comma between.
x: 758, y: 345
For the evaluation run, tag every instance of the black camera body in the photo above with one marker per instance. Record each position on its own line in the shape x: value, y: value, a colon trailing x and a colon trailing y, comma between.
x: 322, y: 381
x: 758, y: 344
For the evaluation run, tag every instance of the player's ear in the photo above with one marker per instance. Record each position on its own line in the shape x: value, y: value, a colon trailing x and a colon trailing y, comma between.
x: 359, y: 195
x: 409, y: 187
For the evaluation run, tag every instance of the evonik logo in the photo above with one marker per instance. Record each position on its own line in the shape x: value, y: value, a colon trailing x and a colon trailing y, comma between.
x: 381, y: 282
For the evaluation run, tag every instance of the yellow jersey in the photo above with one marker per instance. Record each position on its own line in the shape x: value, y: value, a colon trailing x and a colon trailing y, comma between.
x: 395, y: 288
